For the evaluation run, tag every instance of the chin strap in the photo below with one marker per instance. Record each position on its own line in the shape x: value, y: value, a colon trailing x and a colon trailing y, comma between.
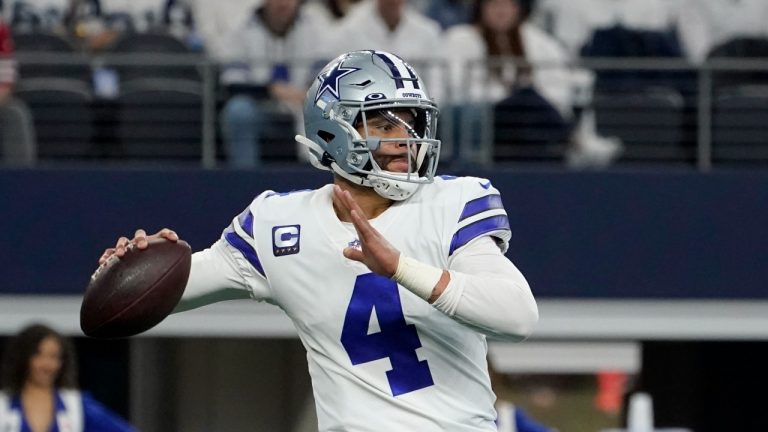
x: 395, y: 190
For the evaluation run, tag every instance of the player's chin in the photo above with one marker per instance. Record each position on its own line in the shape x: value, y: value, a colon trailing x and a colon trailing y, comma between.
x: 398, y: 166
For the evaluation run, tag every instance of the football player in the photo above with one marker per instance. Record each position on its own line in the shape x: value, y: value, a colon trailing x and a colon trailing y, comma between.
x: 393, y: 276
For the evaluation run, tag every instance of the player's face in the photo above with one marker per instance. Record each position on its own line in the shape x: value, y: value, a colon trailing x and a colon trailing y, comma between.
x: 391, y: 124
x: 45, y: 365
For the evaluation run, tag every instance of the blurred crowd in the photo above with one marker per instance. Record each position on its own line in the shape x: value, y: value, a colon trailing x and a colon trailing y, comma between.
x: 506, y: 72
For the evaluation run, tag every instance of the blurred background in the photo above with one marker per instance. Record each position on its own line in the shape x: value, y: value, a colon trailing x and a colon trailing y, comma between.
x: 628, y: 138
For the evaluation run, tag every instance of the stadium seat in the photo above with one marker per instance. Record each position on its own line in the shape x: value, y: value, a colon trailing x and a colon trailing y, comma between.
x: 41, y: 42
x: 149, y: 42
x: 527, y: 127
x: 159, y: 118
x: 742, y: 47
x: 649, y: 123
x: 153, y: 43
x: 50, y: 43
x: 622, y: 42
x: 277, y: 141
x: 63, y: 119
x: 739, y: 126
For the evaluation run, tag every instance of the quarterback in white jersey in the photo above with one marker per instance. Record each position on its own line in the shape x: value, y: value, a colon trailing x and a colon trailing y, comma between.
x: 392, y: 276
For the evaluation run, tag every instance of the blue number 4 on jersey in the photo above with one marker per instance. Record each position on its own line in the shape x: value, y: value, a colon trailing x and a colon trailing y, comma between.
x: 397, y: 340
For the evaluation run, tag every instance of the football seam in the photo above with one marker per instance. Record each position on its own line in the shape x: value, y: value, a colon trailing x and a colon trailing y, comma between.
x: 148, y: 291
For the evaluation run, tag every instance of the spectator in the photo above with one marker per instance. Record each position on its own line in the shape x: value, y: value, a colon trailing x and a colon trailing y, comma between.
x: 706, y: 24
x: 17, y: 143
x: 119, y: 17
x: 73, y: 20
x: 330, y: 11
x: 500, y: 31
x: 216, y: 19
x: 40, y: 388
x: 33, y: 16
x: 485, y: 62
x: 573, y: 22
x: 449, y: 13
x: 394, y: 26
x: 98, y: 23
x: 267, y: 66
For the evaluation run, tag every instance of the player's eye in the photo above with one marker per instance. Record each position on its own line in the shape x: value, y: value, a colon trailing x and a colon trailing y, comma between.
x: 382, y: 126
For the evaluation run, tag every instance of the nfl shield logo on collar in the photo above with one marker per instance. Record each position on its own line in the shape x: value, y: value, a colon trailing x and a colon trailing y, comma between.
x: 285, y: 239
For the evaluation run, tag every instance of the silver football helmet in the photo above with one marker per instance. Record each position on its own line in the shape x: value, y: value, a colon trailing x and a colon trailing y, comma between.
x: 353, y: 88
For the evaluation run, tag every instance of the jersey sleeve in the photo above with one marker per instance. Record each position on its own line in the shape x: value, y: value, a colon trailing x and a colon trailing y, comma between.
x: 486, y: 291
x: 228, y: 270
x: 240, y: 243
x: 482, y: 214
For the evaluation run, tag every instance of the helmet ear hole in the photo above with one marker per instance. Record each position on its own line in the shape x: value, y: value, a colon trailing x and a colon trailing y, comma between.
x: 326, y: 136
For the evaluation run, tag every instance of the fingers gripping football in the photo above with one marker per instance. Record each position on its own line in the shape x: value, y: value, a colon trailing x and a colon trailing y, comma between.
x: 140, y: 240
x: 137, y: 285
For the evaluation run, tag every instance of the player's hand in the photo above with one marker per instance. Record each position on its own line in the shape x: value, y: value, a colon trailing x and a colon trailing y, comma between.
x: 140, y: 240
x: 375, y: 251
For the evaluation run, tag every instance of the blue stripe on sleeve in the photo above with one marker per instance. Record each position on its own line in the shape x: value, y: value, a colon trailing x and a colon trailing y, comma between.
x: 246, y: 249
x: 246, y: 221
x: 476, y: 229
x: 480, y: 205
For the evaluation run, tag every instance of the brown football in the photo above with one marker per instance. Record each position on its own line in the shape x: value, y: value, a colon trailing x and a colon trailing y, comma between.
x: 133, y: 293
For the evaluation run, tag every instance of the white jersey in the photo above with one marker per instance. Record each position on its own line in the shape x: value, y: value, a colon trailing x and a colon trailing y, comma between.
x: 380, y: 358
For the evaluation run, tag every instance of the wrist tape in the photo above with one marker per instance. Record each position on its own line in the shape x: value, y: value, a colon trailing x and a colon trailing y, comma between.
x: 416, y: 276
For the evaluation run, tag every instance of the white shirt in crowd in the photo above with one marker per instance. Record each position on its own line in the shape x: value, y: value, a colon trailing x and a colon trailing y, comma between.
x: 250, y: 52
x: 572, y: 22
x: 416, y: 39
x: 708, y: 23
x: 216, y: 19
x: 464, y: 48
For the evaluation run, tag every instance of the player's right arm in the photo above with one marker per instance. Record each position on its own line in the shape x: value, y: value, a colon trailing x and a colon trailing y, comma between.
x: 228, y: 270
x: 214, y: 276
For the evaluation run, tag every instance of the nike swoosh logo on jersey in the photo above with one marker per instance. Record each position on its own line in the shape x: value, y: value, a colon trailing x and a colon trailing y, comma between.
x: 485, y: 185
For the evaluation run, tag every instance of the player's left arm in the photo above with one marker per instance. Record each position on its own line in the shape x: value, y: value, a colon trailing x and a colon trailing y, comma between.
x: 482, y: 289
x: 487, y: 292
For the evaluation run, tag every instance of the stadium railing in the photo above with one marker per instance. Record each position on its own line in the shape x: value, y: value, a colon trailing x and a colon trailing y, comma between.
x: 663, y: 110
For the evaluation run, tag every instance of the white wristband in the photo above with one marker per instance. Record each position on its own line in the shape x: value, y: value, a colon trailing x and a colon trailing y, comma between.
x: 416, y: 276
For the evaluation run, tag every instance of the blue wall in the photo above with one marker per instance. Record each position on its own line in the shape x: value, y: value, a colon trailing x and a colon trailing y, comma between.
x: 593, y: 235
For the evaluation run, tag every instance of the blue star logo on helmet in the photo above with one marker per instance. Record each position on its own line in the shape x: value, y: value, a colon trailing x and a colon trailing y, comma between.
x: 330, y: 80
